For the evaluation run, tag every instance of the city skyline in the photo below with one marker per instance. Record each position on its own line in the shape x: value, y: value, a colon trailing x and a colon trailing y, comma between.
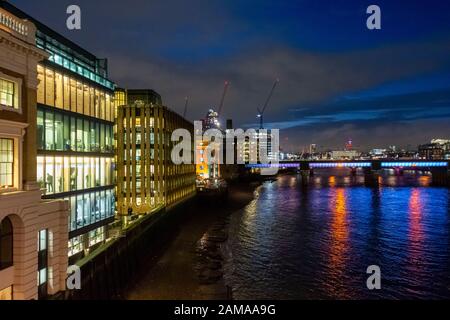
x: 380, y: 88
x: 125, y: 173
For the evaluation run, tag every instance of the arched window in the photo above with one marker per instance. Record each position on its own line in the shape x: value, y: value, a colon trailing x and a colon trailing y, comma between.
x: 6, y: 244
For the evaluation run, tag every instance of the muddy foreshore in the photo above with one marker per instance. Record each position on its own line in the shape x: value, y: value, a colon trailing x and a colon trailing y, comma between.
x: 190, y: 265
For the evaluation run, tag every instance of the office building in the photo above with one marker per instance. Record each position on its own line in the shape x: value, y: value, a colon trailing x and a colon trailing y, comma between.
x: 344, y: 154
x: 147, y: 177
x: 75, y: 119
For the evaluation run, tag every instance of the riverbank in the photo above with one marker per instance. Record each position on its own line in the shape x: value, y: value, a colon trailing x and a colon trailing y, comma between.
x: 189, y: 265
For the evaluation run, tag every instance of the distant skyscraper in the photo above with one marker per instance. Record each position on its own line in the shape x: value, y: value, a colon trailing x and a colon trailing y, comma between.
x: 211, y: 121
x: 349, y: 145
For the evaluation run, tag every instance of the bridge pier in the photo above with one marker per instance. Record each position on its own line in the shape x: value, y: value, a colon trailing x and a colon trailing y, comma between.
x: 305, y: 173
x: 371, y: 177
x: 398, y: 172
x: 440, y: 177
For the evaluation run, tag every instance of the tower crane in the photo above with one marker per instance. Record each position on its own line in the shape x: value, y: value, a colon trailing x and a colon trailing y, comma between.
x: 222, y: 100
x: 185, y: 106
x: 261, y: 111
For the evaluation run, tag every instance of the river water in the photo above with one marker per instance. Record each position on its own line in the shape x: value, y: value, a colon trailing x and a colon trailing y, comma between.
x: 293, y: 242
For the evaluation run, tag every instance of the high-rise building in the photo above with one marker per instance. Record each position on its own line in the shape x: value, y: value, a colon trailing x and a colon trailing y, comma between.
x: 147, y: 177
x: 207, y: 161
x: 349, y: 145
x: 211, y: 120
x: 33, y: 233
x: 75, y: 119
x: 248, y: 151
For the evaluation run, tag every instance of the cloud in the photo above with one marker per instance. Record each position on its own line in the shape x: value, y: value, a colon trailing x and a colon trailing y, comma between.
x: 189, y: 48
x: 366, y: 134
x: 307, y: 79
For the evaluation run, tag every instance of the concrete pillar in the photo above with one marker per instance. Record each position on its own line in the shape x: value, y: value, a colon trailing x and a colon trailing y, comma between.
x: 305, y: 177
x: 398, y: 172
x: 29, y: 141
x: 371, y: 177
x: 305, y: 172
x: 440, y: 177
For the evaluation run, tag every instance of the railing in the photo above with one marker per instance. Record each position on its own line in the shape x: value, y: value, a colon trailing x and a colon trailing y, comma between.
x: 20, y: 28
x: 353, y: 164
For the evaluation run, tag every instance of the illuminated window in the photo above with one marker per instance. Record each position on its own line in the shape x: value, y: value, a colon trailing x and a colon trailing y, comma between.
x: 66, y: 86
x: 6, y: 294
x: 58, y: 174
x: 75, y: 246
x: 6, y: 163
x: 73, y: 95
x: 49, y: 87
x: 96, y: 236
x: 41, y: 85
x: 9, y: 94
x: 59, y: 103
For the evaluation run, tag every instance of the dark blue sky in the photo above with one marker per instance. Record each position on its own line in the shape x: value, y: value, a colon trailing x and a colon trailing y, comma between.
x: 337, y: 78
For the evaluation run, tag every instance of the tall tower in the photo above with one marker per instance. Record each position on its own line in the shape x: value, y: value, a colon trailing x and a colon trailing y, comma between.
x: 349, y: 145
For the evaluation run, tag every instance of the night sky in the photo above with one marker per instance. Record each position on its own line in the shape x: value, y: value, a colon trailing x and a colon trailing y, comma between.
x: 338, y: 80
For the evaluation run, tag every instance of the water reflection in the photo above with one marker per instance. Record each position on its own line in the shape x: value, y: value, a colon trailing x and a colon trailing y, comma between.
x: 339, y: 235
x: 332, y: 181
x: 293, y: 242
x: 416, y: 236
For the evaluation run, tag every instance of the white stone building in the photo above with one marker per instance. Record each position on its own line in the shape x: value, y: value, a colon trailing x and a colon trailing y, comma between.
x: 33, y: 233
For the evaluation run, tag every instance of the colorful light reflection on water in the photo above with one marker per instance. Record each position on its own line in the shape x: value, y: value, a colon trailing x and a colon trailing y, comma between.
x: 316, y: 242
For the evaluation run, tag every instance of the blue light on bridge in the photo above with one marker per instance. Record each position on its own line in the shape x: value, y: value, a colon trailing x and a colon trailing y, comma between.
x: 411, y: 164
x: 272, y: 165
x: 340, y: 165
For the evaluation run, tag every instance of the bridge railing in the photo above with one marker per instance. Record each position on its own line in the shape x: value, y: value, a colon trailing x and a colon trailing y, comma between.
x: 374, y: 164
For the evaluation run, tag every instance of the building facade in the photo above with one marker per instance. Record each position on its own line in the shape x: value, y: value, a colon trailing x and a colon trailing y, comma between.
x: 147, y: 177
x: 33, y: 233
x: 344, y: 154
x: 75, y: 120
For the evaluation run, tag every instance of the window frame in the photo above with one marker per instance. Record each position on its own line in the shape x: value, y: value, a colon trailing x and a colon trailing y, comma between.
x: 13, y: 163
x: 17, y: 95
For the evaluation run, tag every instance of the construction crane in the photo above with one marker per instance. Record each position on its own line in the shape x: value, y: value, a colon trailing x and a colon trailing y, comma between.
x: 185, y: 106
x: 261, y: 111
x: 222, y: 100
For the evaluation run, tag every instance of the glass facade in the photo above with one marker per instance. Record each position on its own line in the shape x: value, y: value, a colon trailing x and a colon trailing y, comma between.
x: 59, y: 174
x: 75, y: 141
x: 89, y: 208
x: 6, y: 162
x: 58, y: 90
x: 89, y: 67
x: 75, y: 245
x: 96, y: 236
x: 58, y: 131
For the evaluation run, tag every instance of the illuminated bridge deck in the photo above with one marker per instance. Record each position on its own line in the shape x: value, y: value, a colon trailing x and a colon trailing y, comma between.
x: 374, y: 164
